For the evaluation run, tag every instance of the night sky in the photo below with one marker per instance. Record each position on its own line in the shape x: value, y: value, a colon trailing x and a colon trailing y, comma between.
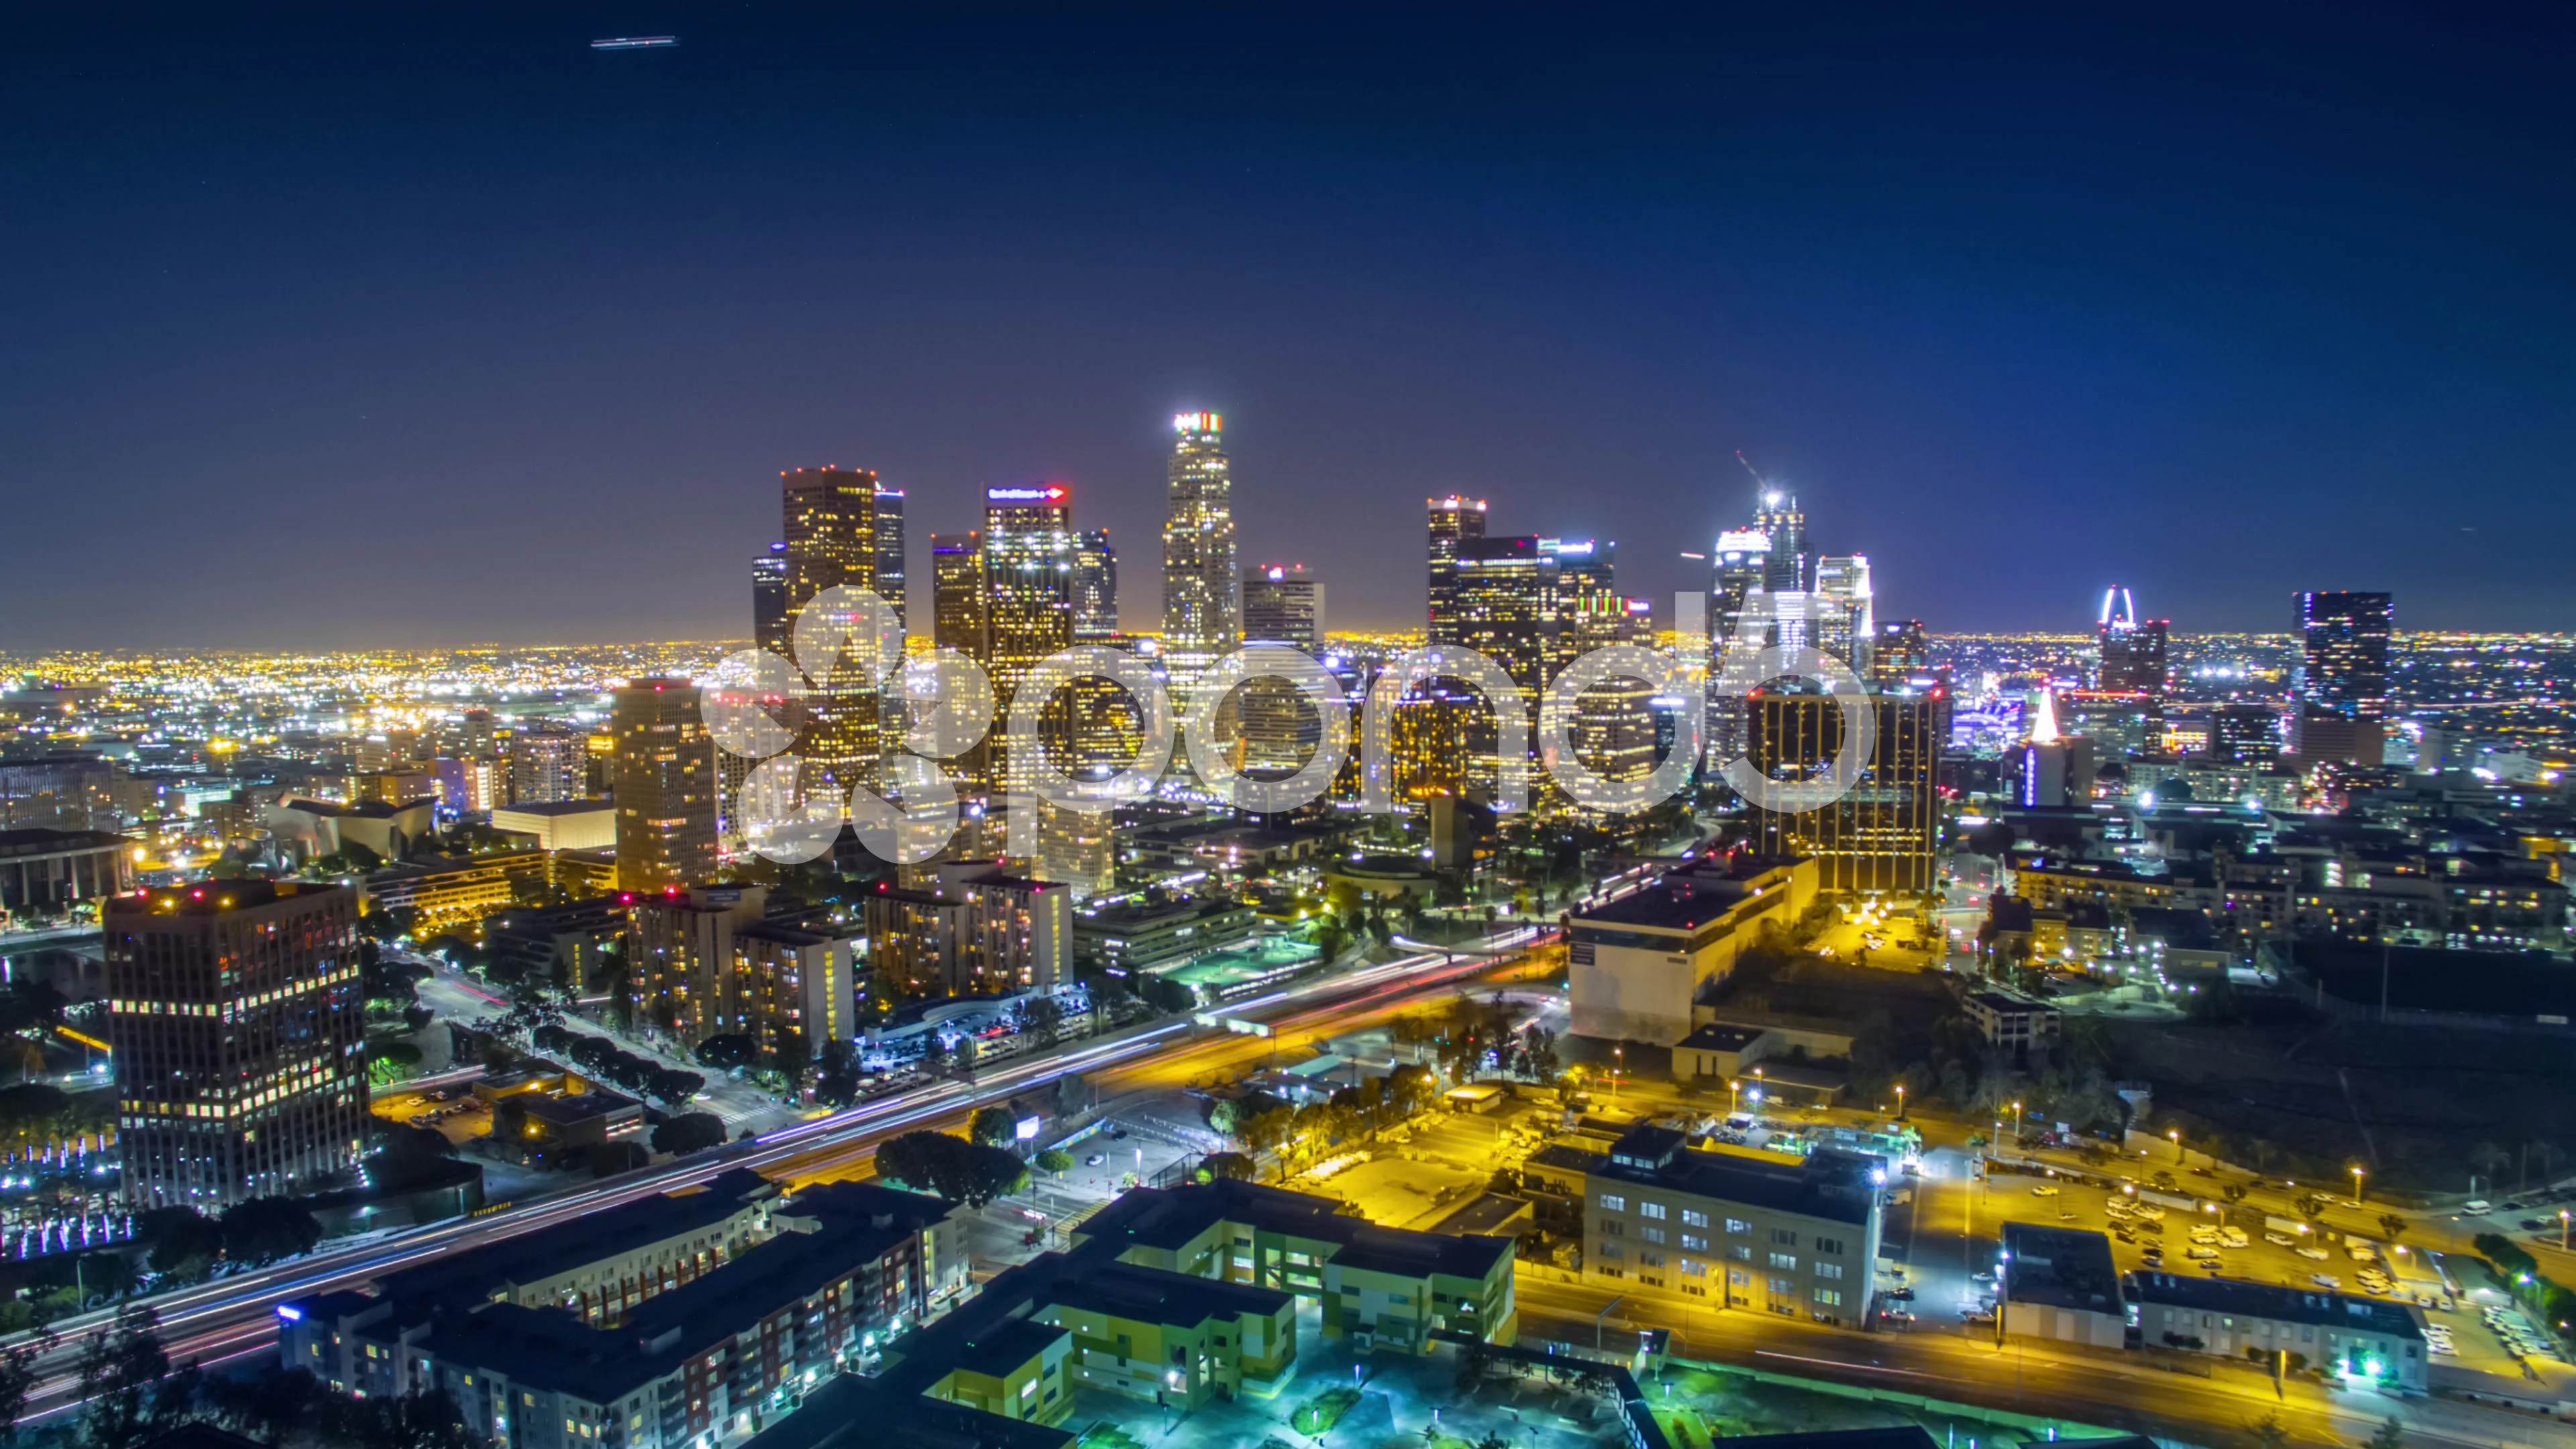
x: 428, y: 324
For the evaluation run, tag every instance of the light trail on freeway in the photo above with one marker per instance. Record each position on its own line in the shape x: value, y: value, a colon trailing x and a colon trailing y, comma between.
x: 234, y: 1315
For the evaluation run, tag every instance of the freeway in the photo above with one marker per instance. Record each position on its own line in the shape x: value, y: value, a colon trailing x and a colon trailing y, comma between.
x: 234, y: 1316
x: 2124, y: 1391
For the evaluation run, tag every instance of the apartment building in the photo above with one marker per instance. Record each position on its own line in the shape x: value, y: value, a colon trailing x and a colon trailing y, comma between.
x: 707, y: 961
x: 834, y: 1270
x: 2340, y: 1332
x: 1799, y: 1239
x: 979, y: 928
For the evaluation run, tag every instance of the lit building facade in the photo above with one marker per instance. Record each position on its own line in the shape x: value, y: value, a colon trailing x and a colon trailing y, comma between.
x: 238, y: 1025
x: 1202, y: 602
x: 1453, y: 521
x: 705, y: 961
x: 1282, y: 604
x: 1028, y: 575
x: 1879, y: 836
x: 2129, y: 652
x: 977, y: 928
x: 666, y: 786
x: 769, y: 600
x: 2343, y: 680
x: 830, y: 516
x: 1095, y: 586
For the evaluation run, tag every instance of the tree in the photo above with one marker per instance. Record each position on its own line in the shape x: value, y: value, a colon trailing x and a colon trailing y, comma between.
x: 118, y: 1367
x: 2489, y: 1159
x: 1055, y: 1160
x: 185, y: 1242
x: 673, y: 1088
x: 2390, y: 1435
x: 266, y: 1229
x: 725, y: 1051
x: 1041, y: 1020
x: 689, y: 1132
x: 17, y: 1376
x: 991, y: 1126
x: 611, y: 1158
x: 951, y: 1167
x: 2393, y: 1225
x: 2268, y: 1433
x: 1222, y: 1165
x: 792, y: 1056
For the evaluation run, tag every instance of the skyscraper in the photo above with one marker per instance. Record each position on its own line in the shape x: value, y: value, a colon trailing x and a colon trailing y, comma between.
x: 237, y: 1022
x: 2129, y: 651
x: 889, y: 531
x: 1453, y: 519
x: 961, y: 608
x: 549, y: 763
x: 1739, y: 564
x: 1845, y: 620
x: 769, y: 600
x: 1505, y: 599
x: 832, y: 543
x: 1878, y: 836
x: 1202, y: 606
x: 666, y: 786
x: 1095, y: 586
x: 1790, y: 568
x: 1282, y: 604
x: 2343, y: 682
x: 1028, y: 572
x: 1898, y: 655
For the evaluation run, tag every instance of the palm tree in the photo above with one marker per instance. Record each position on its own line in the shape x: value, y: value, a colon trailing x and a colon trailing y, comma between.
x: 2393, y: 1225
x: 2489, y: 1159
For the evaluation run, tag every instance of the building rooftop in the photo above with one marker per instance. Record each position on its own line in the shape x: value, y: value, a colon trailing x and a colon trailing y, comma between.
x: 37, y: 840
x: 2264, y: 1300
x: 1674, y: 905
x: 479, y: 1273
x: 1834, y: 1185
x: 214, y: 897
x: 1722, y: 1036
x: 558, y: 808
x: 2060, y: 1268
x: 1171, y: 1218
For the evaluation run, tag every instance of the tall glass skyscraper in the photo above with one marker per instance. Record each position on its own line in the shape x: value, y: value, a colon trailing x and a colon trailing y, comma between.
x: 1028, y: 566
x: 1095, y: 586
x: 1202, y: 604
x: 2343, y: 681
x: 830, y: 516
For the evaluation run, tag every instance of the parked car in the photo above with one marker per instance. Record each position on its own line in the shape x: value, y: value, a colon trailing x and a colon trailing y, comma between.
x: 2280, y: 1240
x: 2317, y: 1254
x: 1094, y: 1160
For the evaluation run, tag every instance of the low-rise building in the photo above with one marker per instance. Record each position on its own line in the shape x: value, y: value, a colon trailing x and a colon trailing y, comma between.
x: 1136, y: 935
x: 308, y: 829
x: 47, y: 870
x: 1751, y: 1230
x: 583, y: 1116
x: 2010, y: 1021
x: 1636, y: 964
x: 563, y: 944
x: 2356, y: 1337
x: 2058, y: 1283
x: 1172, y: 1296
x: 835, y: 1269
x: 446, y: 891
x: 562, y: 824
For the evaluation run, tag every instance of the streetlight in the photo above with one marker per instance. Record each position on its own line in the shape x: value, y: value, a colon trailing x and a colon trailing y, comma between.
x: 1900, y: 1101
x: 2562, y: 1230
x: 1735, y: 1090
x: 1620, y: 1052
x: 2356, y: 1185
x: 2016, y: 1124
x: 2176, y: 1135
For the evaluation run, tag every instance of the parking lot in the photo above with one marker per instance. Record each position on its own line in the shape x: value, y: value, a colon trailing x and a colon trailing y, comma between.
x: 453, y: 1112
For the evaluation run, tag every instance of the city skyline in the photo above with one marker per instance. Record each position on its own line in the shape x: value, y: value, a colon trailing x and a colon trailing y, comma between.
x: 376, y: 303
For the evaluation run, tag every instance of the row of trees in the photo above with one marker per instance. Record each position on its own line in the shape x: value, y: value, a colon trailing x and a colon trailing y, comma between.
x: 609, y: 1062
x: 1260, y: 1122
x: 970, y: 1172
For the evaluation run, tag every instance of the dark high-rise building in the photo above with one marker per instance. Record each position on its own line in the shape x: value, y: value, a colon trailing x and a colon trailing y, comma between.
x: 769, y: 600
x: 2130, y: 651
x: 1900, y: 655
x: 1028, y: 571
x: 832, y: 543
x: 1095, y: 586
x: 666, y: 786
x: 2245, y: 734
x: 1879, y: 836
x: 238, y: 1024
x: 889, y: 582
x: 1453, y: 519
x: 2343, y: 682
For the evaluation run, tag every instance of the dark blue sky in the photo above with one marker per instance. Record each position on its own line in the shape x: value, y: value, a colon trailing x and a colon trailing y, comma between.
x: 428, y: 324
